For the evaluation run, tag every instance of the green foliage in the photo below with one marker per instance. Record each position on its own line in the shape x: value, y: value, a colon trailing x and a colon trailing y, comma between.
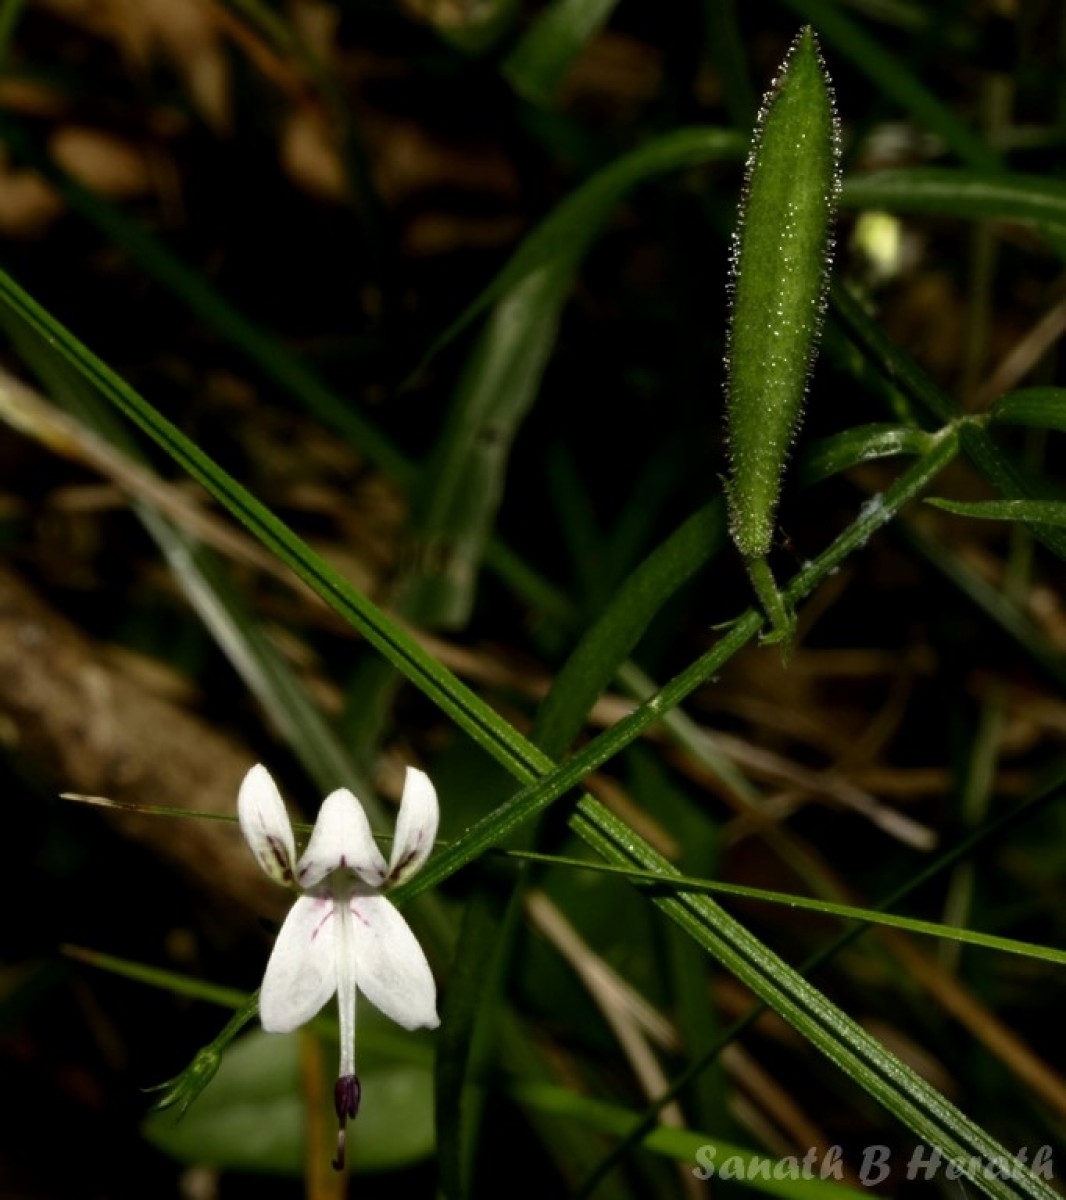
x: 558, y: 481
x: 254, y: 1115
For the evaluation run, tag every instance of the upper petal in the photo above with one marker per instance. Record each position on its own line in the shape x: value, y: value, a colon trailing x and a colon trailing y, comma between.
x: 390, y: 967
x: 416, y: 826
x: 265, y: 824
x: 341, y: 838
x: 302, y: 972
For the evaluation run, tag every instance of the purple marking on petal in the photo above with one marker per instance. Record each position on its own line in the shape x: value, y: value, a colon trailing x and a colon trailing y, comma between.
x: 281, y: 857
x: 325, y: 918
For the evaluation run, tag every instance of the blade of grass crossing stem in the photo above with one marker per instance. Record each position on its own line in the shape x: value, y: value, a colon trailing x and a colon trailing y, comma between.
x: 960, y: 852
x: 537, y: 65
x: 531, y: 800
x: 895, y: 79
x: 900, y: 1089
x: 902, y: 1093
x: 500, y: 739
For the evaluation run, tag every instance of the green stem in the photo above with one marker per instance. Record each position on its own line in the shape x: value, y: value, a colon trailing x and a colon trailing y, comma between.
x: 782, y: 619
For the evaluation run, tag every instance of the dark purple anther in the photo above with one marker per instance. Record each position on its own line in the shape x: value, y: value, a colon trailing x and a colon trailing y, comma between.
x: 347, y: 1093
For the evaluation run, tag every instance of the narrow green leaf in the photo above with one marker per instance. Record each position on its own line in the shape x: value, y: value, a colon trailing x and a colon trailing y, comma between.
x: 960, y: 193
x: 563, y: 235
x: 461, y: 486
x: 536, y: 66
x: 871, y: 916
x: 862, y: 443
x: 900, y: 1089
x: 690, y: 1146
x: 898, y: 368
x: 1040, y: 408
x: 892, y: 77
x: 1033, y: 512
x: 977, y: 443
x: 593, y: 662
x: 1013, y: 482
x: 463, y: 481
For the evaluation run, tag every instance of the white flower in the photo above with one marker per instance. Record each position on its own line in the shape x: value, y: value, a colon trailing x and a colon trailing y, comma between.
x: 342, y: 934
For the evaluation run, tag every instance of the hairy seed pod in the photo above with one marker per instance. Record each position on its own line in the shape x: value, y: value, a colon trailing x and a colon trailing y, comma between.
x: 780, y: 262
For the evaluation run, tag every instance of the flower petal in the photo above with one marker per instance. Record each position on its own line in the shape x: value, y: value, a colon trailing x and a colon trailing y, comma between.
x: 341, y: 838
x: 416, y: 826
x: 390, y: 966
x: 265, y: 824
x: 302, y: 972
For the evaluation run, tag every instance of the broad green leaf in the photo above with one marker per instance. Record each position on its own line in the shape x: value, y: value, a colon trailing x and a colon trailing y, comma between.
x: 253, y: 1116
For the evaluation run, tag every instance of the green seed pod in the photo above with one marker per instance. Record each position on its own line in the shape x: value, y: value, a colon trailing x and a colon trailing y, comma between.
x: 781, y: 253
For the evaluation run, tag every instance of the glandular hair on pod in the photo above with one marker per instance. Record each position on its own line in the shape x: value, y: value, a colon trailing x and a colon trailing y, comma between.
x: 779, y: 272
